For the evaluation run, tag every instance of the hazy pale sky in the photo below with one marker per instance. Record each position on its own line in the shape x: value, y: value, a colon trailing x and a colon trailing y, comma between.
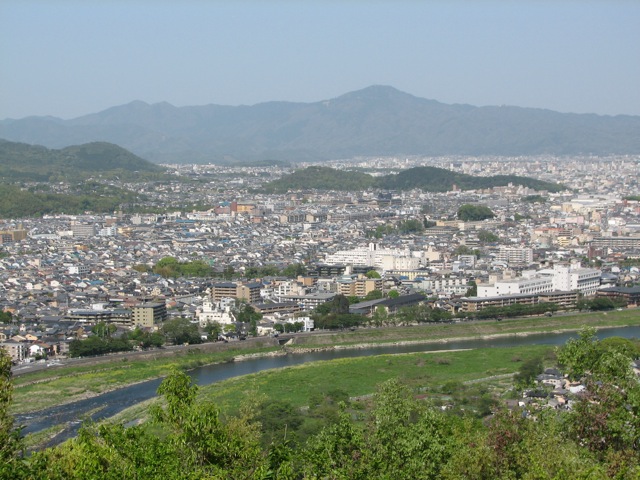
x: 70, y: 58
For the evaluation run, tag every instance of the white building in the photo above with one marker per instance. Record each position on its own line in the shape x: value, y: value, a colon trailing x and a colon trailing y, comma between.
x: 520, y: 285
x: 79, y: 269
x: 216, y: 312
x: 583, y: 280
x: 563, y: 278
x: 514, y: 255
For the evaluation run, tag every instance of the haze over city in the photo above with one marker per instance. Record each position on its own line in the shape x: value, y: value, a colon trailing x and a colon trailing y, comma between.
x: 71, y: 58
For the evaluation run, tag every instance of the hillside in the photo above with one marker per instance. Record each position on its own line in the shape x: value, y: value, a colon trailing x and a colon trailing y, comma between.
x: 429, y: 179
x: 19, y: 161
x: 375, y: 121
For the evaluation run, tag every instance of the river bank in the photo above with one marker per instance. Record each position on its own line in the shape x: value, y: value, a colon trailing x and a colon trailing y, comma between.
x: 62, y: 385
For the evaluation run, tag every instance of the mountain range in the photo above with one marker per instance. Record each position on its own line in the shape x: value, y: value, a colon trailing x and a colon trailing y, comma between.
x: 375, y: 121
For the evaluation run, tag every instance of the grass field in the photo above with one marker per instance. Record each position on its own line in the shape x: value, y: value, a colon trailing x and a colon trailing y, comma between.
x: 360, y: 376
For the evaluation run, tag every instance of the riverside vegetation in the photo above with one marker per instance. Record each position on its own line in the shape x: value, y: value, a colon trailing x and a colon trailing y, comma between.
x: 397, y: 436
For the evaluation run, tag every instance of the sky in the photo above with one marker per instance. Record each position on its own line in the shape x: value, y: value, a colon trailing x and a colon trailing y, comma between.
x: 74, y: 57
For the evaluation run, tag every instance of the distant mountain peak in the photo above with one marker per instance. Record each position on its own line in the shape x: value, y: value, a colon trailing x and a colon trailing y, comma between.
x: 378, y: 120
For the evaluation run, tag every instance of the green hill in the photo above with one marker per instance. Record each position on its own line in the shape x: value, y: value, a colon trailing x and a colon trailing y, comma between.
x: 433, y: 179
x: 429, y: 179
x: 23, y: 162
x: 321, y: 178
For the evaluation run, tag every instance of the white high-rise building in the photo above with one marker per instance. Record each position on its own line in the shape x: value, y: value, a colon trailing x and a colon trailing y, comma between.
x: 583, y: 280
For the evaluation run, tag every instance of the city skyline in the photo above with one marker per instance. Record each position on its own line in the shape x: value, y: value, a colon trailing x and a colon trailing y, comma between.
x: 67, y: 59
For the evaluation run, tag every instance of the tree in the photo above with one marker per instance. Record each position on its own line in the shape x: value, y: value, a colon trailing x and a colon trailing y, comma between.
x: 11, y: 443
x: 213, y: 330
x: 104, y: 330
x: 472, y: 291
x: 373, y: 274
x: 485, y: 236
x: 294, y: 270
x: 228, y: 272
x: 411, y: 226
x: 474, y: 213
x: 380, y: 316
x: 6, y: 317
x: 180, y: 331
x: 373, y: 295
x: 146, y: 339
x: 393, y: 294
x: 529, y: 370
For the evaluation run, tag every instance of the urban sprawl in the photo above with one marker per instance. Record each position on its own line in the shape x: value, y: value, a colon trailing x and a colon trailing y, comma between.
x: 62, y: 275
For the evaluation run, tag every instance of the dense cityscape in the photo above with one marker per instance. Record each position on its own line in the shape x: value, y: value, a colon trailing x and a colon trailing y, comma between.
x: 284, y: 255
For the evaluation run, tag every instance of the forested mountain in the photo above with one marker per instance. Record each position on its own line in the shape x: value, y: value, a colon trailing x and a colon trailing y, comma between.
x: 430, y: 179
x: 377, y: 120
x: 19, y: 161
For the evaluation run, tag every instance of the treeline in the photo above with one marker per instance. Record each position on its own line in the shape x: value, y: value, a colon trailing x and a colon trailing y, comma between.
x: 171, y: 267
x: 394, y: 436
x: 104, y: 340
x: 430, y: 179
x: 18, y: 203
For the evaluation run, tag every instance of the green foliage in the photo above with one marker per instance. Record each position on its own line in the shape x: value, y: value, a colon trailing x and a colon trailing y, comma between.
x: 431, y: 179
x: 373, y: 274
x: 601, y: 303
x: 393, y: 294
x: 380, y: 231
x: 294, y: 270
x: 529, y: 370
x: 410, y: 226
x: 485, y: 236
x: 511, y: 311
x: 11, y: 444
x: 373, y: 295
x: 474, y: 213
x: 472, y: 291
x: 533, y: 199
x: 171, y: 267
x: 145, y: 339
x: 16, y: 203
x: 6, y: 317
x: 245, y: 313
x: 181, y: 331
x: 97, y: 345
x: 321, y: 178
x: 22, y: 162
x: 213, y: 330
x: 279, y: 420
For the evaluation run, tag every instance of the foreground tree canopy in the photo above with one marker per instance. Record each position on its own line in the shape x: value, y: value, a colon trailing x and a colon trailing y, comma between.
x: 399, y: 437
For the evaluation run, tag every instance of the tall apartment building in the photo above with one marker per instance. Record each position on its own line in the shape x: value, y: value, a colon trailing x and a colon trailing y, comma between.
x: 242, y: 291
x: 149, y: 314
x: 83, y: 230
x: 358, y: 286
x: 515, y: 255
x: 12, y: 236
x: 575, y: 279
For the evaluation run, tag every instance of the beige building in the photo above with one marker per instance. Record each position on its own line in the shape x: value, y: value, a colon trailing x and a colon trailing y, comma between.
x: 148, y: 315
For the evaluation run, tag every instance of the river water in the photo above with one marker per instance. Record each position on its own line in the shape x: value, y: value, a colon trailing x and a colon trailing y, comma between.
x: 111, y: 403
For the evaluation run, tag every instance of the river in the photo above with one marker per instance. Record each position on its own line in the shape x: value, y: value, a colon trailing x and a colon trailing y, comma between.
x: 111, y: 403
